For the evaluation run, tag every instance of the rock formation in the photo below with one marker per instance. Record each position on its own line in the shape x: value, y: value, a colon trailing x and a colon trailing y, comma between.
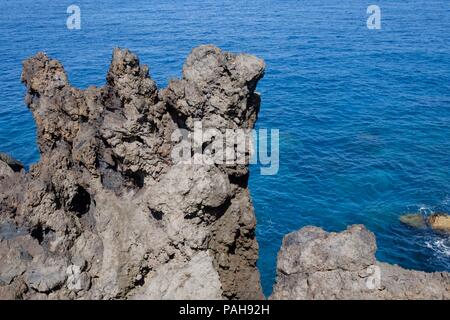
x: 314, y: 264
x: 415, y: 220
x: 438, y: 221
x: 107, y: 213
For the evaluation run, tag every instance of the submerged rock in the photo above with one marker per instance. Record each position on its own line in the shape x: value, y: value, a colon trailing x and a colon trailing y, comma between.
x: 314, y: 264
x: 415, y: 220
x: 107, y: 213
x: 439, y: 222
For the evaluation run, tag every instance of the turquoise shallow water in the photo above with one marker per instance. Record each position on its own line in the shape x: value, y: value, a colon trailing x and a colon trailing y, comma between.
x: 364, y: 115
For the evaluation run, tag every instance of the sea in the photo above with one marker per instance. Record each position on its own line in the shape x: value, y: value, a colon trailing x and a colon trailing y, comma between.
x: 363, y: 114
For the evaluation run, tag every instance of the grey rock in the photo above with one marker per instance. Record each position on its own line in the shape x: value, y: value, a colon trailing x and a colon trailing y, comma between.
x: 76, y: 279
x: 189, y: 188
x: 17, y: 249
x: 194, y: 280
x: 46, y: 273
x: 5, y: 170
x: 314, y: 264
x: 107, y: 212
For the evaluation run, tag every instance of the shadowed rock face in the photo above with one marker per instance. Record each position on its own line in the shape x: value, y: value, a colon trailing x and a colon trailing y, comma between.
x: 314, y: 264
x: 9, y: 165
x: 106, y: 213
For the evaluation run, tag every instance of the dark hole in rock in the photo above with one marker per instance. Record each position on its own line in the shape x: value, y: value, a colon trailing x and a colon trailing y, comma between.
x: 241, y: 181
x: 158, y: 215
x: 140, y: 280
x: 216, y: 213
x: 205, y: 145
x: 38, y: 232
x: 137, y: 178
x: 232, y: 247
x: 133, y: 139
x: 81, y: 202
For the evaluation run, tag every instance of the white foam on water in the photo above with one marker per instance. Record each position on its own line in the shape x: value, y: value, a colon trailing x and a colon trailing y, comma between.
x: 440, y: 246
x: 425, y: 210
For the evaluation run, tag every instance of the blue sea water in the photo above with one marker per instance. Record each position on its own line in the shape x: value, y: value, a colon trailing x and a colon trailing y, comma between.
x: 364, y: 115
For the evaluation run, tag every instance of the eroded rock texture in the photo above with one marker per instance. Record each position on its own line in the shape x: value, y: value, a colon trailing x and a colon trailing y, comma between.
x: 314, y: 264
x: 106, y: 213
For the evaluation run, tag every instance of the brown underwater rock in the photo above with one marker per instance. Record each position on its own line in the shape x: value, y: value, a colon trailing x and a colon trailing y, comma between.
x: 440, y: 222
x: 415, y: 220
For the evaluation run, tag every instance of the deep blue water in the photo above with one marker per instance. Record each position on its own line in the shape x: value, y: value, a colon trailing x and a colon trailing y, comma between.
x: 364, y: 115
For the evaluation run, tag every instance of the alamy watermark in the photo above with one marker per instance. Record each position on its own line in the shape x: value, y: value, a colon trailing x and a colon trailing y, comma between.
x: 208, y: 146
x: 373, y: 281
x: 73, y: 22
x: 374, y: 20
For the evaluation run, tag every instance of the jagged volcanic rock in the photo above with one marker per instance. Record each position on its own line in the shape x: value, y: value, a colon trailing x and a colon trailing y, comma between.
x: 314, y: 264
x: 106, y: 213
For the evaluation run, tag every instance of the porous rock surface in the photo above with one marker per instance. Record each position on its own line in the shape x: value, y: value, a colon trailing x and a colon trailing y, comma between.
x: 315, y: 264
x: 106, y: 213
